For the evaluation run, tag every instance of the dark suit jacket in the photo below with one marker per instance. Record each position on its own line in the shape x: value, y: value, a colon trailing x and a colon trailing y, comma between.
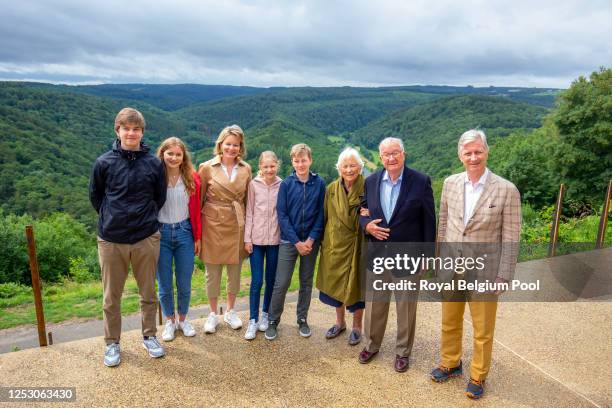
x: 413, y: 219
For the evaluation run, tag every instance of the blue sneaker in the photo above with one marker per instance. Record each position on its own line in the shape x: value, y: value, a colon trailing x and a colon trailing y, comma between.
x: 442, y: 374
x: 475, y: 389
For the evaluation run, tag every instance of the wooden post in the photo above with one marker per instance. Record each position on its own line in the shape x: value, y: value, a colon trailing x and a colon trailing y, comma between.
x: 603, y: 221
x: 554, y: 229
x: 40, y: 315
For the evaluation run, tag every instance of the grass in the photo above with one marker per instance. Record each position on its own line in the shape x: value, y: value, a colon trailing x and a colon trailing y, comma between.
x: 336, y: 139
x: 71, y: 300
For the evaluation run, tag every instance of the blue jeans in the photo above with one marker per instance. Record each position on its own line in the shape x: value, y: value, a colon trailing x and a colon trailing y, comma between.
x: 270, y: 253
x: 176, y: 244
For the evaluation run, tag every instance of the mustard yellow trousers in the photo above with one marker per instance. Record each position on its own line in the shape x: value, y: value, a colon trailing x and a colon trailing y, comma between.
x: 483, y: 323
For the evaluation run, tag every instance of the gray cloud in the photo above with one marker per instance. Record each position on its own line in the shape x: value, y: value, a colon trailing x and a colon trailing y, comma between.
x: 267, y: 43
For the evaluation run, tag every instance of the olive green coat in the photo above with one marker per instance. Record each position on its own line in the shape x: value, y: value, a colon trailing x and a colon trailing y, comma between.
x: 339, y: 265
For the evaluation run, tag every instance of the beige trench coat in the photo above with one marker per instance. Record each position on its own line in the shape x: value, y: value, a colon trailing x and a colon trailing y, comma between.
x: 223, y: 212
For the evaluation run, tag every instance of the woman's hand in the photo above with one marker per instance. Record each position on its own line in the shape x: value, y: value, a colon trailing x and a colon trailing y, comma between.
x: 248, y: 246
x: 364, y: 212
x: 197, y: 245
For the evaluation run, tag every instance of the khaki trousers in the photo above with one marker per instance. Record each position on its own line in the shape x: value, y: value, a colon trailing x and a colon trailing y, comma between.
x: 114, y: 262
x: 375, y: 323
x: 483, y: 323
x: 213, y: 279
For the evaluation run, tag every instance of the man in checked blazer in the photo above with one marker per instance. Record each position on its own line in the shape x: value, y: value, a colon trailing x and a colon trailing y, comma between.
x: 476, y: 206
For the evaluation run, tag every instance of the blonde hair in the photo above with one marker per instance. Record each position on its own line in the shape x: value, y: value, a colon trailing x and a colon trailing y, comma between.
x: 267, y: 155
x: 233, y: 130
x: 299, y: 150
x: 186, y: 168
x: 129, y: 116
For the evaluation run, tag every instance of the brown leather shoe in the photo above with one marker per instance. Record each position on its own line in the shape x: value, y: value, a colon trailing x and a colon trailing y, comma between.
x: 401, y: 364
x: 365, y: 356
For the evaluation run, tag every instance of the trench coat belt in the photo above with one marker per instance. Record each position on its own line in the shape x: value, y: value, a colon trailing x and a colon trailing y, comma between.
x: 237, y: 209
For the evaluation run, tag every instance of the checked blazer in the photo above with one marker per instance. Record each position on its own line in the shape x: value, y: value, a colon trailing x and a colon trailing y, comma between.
x: 496, y: 218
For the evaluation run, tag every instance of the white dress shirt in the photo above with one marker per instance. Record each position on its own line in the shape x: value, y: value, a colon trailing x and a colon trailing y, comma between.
x: 472, y: 194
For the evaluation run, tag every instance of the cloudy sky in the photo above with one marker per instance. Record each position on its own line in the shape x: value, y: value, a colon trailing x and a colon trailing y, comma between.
x: 296, y: 43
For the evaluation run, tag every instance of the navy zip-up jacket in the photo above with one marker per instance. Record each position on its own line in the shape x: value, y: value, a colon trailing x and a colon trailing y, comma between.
x: 127, y: 189
x: 300, y: 208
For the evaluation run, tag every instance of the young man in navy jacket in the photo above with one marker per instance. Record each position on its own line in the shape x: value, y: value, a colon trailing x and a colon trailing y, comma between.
x: 300, y: 215
x: 127, y: 188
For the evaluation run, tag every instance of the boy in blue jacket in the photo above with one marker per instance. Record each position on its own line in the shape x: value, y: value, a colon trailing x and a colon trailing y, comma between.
x: 300, y: 215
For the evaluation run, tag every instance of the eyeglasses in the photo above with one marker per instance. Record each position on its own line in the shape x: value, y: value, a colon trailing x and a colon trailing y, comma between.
x: 393, y: 155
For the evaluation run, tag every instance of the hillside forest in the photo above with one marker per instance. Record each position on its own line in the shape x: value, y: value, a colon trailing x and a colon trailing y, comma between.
x: 50, y: 136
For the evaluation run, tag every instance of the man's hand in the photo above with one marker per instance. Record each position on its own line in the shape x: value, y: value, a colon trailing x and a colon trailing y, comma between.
x: 377, y: 232
x: 248, y: 246
x: 499, y: 280
x: 302, y: 248
x: 309, y: 242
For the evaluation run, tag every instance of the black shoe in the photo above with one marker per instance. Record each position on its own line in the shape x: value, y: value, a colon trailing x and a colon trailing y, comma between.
x: 303, y: 328
x: 271, y: 331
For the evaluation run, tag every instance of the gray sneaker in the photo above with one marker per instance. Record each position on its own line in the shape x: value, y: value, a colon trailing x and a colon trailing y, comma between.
x: 152, y: 345
x: 112, y: 355
x: 271, y: 332
x: 303, y: 328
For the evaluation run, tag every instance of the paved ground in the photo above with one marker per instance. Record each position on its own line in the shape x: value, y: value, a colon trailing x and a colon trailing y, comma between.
x: 545, y: 355
x: 539, y: 360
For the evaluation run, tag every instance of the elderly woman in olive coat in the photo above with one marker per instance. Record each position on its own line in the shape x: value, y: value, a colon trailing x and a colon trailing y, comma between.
x: 225, y: 180
x: 338, y: 276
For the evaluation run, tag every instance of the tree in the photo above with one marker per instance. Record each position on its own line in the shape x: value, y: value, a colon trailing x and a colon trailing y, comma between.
x: 584, y: 119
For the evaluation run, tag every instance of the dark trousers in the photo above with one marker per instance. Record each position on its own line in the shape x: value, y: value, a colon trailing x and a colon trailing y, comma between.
x: 287, y: 257
x: 270, y: 254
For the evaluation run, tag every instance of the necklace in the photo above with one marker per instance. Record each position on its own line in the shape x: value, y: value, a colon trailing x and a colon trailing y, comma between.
x: 174, y: 179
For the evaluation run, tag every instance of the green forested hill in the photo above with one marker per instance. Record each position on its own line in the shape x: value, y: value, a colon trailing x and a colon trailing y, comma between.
x: 430, y: 131
x: 49, y: 140
x: 166, y: 97
x: 50, y: 135
x: 331, y: 110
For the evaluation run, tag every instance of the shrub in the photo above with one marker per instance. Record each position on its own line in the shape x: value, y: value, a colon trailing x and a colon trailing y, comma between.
x: 59, y: 239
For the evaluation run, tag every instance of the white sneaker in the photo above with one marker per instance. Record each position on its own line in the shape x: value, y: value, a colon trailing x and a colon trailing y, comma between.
x: 211, y: 323
x: 251, y: 330
x: 186, y: 328
x: 263, y: 322
x: 169, y: 329
x: 155, y: 349
x: 230, y: 317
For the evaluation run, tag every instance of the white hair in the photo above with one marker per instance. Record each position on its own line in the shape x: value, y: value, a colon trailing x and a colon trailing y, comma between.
x: 470, y: 136
x: 388, y: 140
x: 349, y: 153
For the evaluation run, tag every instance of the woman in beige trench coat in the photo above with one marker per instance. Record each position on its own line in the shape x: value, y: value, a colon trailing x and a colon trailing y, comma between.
x: 225, y: 180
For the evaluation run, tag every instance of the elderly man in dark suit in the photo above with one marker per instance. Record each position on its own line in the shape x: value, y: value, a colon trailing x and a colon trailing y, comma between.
x: 400, y: 209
